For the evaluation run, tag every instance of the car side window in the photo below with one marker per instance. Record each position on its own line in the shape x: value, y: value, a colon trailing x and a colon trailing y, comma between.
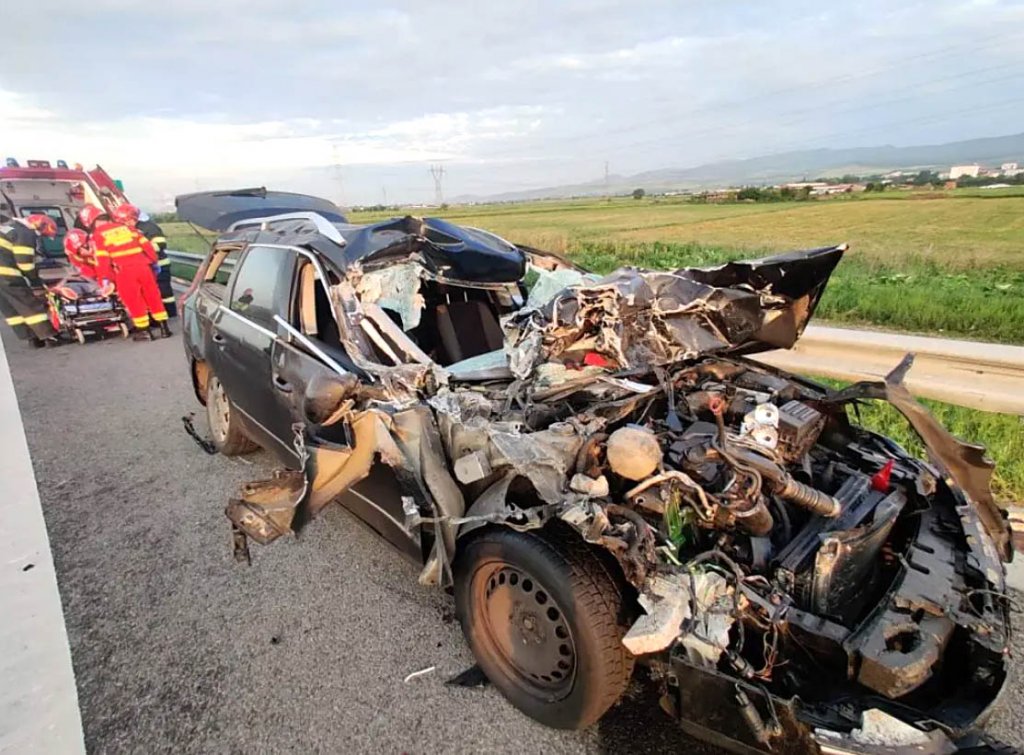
x: 254, y: 292
x: 221, y: 265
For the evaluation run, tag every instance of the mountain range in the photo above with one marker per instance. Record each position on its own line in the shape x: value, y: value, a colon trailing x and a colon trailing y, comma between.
x: 787, y: 166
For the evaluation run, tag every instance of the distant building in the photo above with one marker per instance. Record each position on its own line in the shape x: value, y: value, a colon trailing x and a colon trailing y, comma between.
x: 964, y: 170
x: 1010, y: 169
x: 830, y: 189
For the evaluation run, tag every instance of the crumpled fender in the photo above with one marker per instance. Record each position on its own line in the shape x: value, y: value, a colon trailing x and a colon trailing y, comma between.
x: 963, y: 463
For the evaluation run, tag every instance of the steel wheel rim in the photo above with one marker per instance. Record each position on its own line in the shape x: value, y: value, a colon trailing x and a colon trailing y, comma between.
x: 218, y: 410
x: 524, y: 630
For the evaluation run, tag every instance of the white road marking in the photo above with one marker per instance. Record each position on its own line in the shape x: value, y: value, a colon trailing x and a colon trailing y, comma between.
x: 38, y: 700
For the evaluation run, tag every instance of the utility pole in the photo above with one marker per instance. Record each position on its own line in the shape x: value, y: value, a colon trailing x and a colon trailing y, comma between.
x: 437, y: 172
x: 336, y: 170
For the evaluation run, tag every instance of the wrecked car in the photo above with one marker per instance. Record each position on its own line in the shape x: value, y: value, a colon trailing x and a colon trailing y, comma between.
x: 603, y: 477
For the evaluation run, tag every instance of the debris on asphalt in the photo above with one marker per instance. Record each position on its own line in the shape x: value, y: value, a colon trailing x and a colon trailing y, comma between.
x: 421, y: 672
x: 471, y: 677
x: 190, y: 428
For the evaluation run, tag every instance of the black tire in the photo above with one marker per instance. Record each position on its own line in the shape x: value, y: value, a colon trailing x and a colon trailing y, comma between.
x: 548, y: 591
x: 225, y: 431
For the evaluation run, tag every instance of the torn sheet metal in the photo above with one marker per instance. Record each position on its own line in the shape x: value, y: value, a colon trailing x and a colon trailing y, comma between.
x: 635, y: 317
x: 964, y: 463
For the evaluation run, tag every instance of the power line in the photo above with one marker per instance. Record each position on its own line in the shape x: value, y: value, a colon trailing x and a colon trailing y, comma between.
x: 895, y: 64
x: 437, y: 173
x: 717, y: 129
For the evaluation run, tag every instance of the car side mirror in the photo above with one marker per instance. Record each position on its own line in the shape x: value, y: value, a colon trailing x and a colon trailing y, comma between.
x: 326, y: 406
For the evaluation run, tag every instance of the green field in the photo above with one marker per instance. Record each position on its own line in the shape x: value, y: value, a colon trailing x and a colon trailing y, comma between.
x: 926, y: 262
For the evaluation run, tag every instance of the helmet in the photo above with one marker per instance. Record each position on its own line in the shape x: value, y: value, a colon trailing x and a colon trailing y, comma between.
x: 126, y: 214
x: 74, y: 240
x: 89, y: 214
x: 42, y: 224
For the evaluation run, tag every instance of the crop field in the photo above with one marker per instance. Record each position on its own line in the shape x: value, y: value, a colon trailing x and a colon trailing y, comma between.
x: 932, y: 263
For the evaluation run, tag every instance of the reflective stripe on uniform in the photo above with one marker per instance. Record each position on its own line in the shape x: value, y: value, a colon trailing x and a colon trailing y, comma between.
x: 164, y: 262
x: 5, y: 244
x: 169, y: 299
x: 26, y: 250
x: 9, y: 271
x: 16, y: 320
x: 36, y: 319
x: 101, y: 253
x: 26, y: 266
x: 141, y: 322
x: 126, y: 252
x: 159, y: 316
x: 159, y: 239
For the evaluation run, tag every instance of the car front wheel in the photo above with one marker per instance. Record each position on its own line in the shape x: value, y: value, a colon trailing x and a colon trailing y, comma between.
x: 227, y: 435
x: 542, y: 614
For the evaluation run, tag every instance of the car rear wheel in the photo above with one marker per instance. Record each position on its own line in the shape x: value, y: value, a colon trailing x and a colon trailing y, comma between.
x: 225, y: 431
x: 542, y: 614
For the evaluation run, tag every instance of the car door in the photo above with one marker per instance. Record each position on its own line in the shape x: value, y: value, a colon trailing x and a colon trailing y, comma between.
x: 242, y: 335
x: 308, y: 348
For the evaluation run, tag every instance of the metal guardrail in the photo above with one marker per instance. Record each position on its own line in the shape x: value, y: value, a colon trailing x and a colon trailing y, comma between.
x: 986, y: 376
x: 977, y: 375
x: 193, y: 260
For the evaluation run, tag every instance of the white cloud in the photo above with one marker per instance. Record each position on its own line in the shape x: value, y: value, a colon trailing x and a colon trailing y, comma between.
x: 194, y: 148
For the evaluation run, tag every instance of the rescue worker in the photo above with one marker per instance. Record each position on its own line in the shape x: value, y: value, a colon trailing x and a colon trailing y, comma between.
x: 24, y: 311
x: 129, y: 215
x: 126, y: 257
x: 76, y: 247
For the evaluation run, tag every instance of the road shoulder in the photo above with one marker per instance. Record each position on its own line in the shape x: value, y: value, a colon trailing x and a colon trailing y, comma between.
x: 38, y: 700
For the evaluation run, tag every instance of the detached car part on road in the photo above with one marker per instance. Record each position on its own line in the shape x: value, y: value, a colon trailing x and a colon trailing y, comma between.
x: 601, y: 477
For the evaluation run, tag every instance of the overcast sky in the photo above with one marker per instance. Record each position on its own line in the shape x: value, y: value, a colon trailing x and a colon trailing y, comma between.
x: 181, y: 95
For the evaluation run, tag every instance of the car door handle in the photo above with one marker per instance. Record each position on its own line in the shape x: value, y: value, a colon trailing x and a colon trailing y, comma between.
x: 282, y: 385
x: 217, y: 338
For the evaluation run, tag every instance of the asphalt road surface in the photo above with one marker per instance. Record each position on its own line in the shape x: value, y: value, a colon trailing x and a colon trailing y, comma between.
x: 177, y: 647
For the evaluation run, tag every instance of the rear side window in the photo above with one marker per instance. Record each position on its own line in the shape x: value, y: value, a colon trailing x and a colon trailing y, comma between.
x: 221, y: 265
x: 254, y: 292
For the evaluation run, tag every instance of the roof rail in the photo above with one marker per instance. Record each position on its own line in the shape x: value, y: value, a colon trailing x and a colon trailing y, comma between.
x: 323, y: 225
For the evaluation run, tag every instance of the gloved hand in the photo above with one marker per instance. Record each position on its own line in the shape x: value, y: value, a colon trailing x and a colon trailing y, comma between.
x: 107, y: 288
x: 155, y: 267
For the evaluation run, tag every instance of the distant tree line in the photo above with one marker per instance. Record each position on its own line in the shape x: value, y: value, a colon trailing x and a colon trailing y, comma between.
x: 966, y: 181
x: 773, y: 194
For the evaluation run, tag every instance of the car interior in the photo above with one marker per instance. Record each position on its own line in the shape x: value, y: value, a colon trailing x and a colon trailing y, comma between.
x: 457, y: 323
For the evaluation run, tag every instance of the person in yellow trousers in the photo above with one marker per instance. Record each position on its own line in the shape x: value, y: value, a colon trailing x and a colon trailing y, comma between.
x: 25, y: 312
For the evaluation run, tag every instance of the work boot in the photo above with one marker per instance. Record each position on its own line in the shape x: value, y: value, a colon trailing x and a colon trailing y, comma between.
x: 165, y: 329
x: 142, y: 335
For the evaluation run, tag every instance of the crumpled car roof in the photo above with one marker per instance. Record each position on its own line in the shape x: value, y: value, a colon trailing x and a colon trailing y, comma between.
x: 635, y: 317
x: 448, y: 251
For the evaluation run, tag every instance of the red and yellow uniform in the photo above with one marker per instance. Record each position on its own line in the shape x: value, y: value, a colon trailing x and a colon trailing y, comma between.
x: 126, y: 257
x: 76, y: 247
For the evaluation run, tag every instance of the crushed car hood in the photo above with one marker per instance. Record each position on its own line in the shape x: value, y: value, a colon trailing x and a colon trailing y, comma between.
x: 635, y: 317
